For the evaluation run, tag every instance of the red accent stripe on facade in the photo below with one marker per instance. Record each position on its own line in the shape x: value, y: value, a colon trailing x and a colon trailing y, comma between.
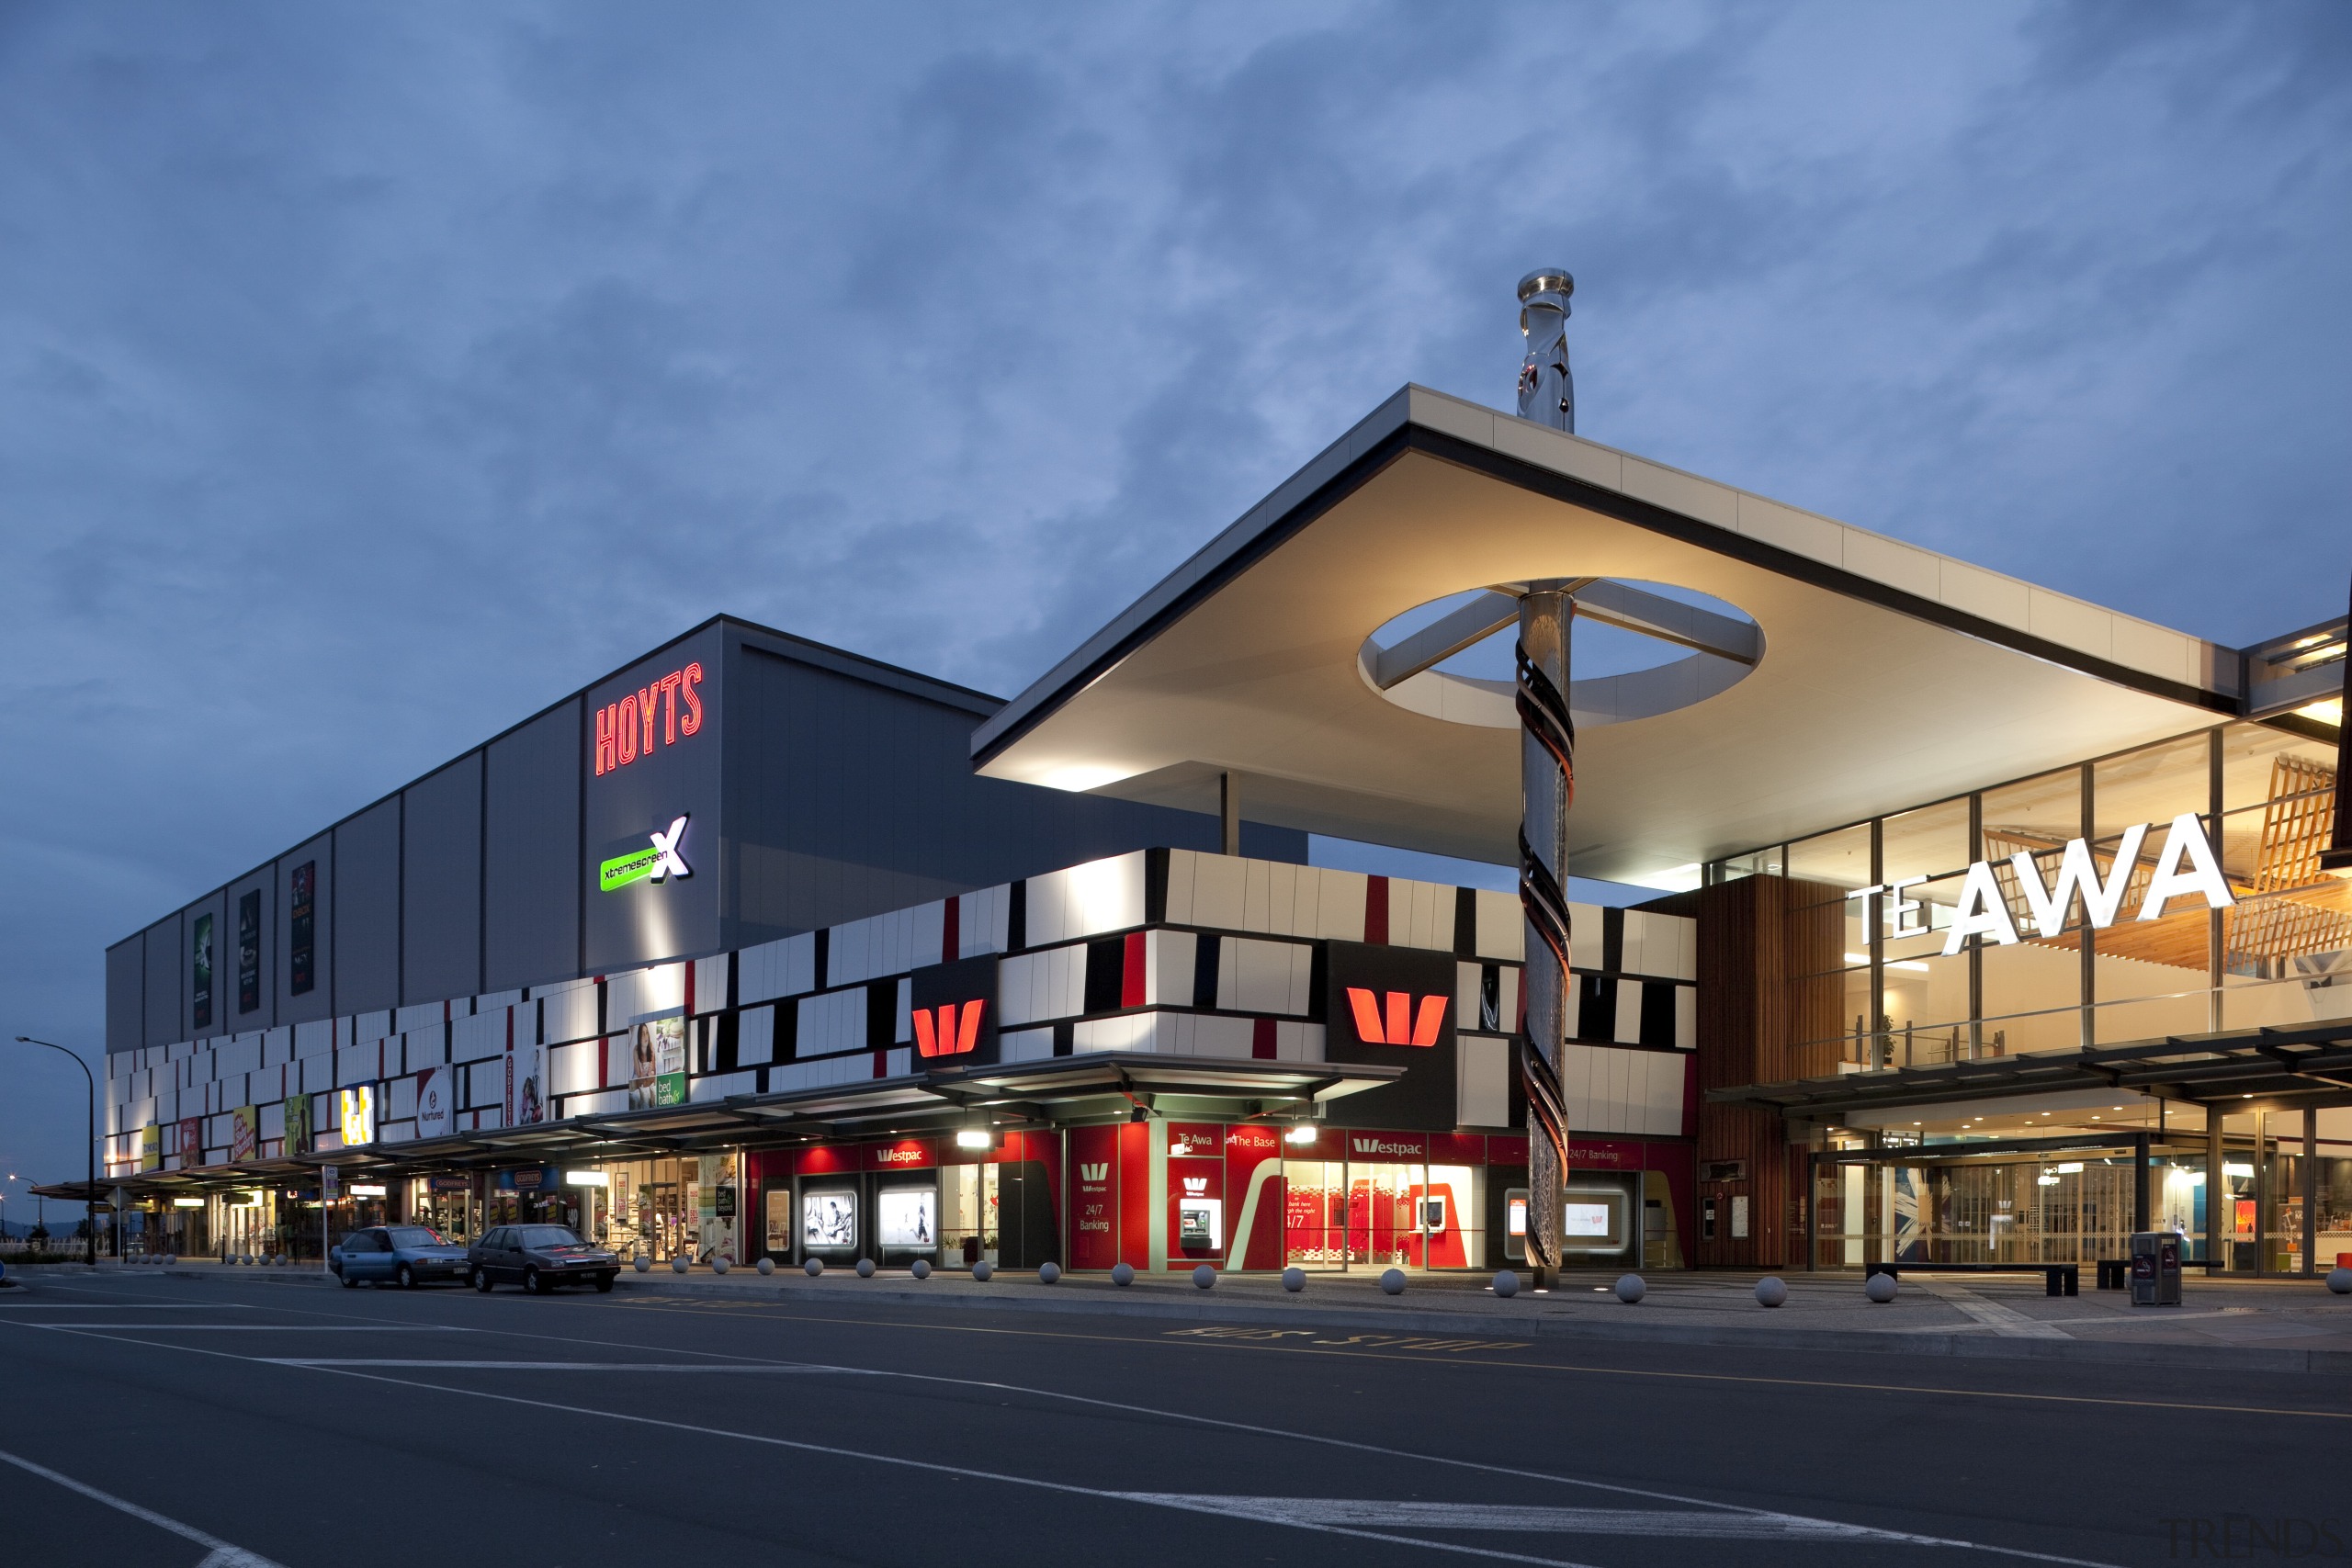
x: 1375, y: 911
x: 1131, y: 969
x: 1262, y: 1038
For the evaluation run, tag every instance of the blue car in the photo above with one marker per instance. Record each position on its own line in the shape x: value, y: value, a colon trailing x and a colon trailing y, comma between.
x: 406, y: 1256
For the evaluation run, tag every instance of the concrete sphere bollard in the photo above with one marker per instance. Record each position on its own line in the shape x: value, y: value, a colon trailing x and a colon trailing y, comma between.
x: 1293, y: 1278
x: 1507, y: 1283
x: 1880, y: 1288
x: 982, y: 1270
x: 865, y: 1268
x: 678, y: 1264
x: 171, y: 1259
x: 1049, y: 1272
x: 2340, y: 1281
x: 922, y: 1270
x: 1393, y: 1283
x: 766, y: 1266
x: 1123, y: 1273
x: 643, y: 1265
x: 719, y: 1265
x: 1632, y: 1288
x: 1770, y: 1292
x: 1205, y: 1275
x: 813, y: 1268
x: 285, y: 1261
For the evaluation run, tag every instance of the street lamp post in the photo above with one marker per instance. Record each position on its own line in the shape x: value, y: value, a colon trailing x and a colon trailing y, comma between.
x: 90, y: 1147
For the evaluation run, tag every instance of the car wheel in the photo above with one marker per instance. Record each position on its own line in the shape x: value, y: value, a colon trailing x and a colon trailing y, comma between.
x: 604, y: 1283
x: 482, y: 1278
x: 408, y: 1278
x: 348, y: 1282
x: 532, y: 1284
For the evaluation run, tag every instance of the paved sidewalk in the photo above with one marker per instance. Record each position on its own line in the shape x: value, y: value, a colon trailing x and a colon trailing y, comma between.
x: 2276, y: 1324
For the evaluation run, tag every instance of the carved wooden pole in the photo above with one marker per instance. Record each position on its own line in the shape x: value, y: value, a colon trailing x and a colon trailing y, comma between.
x: 1547, y: 785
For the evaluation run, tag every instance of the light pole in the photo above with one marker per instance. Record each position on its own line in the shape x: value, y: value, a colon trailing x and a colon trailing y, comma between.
x: 90, y: 1147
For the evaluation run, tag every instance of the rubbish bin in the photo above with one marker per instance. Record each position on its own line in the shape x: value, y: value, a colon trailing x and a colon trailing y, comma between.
x: 2155, y: 1269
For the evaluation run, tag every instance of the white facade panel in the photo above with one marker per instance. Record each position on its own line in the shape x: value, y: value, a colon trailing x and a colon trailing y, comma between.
x: 1168, y: 960
x: 1027, y: 1045
x: 1483, y: 1081
x: 1264, y: 976
x: 1628, y: 1029
x: 632, y: 995
x: 774, y: 969
x: 983, y: 921
x: 1086, y: 900
x: 484, y: 1034
x: 576, y: 1068
x: 755, y: 1036
x: 831, y: 1022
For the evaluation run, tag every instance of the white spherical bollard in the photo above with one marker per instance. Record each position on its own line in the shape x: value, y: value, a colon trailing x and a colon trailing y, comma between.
x: 1770, y: 1292
x: 1123, y: 1273
x: 1506, y: 1283
x: 983, y: 1270
x: 719, y: 1265
x: 678, y: 1264
x: 767, y: 1267
x: 1392, y: 1282
x: 1205, y: 1275
x: 2340, y: 1281
x: 813, y: 1268
x: 1293, y: 1278
x: 1880, y: 1288
x: 171, y: 1259
x: 865, y: 1268
x: 1049, y: 1272
x: 1632, y: 1288
x: 922, y: 1270
x: 643, y: 1265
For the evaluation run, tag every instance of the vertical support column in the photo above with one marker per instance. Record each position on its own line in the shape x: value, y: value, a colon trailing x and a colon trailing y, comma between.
x: 2311, y: 1187
x: 2140, y: 1181
x: 2216, y: 1192
x: 1228, y: 815
x: 1547, y: 784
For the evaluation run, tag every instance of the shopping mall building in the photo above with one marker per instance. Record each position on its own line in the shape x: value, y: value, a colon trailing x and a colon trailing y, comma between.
x: 1992, y: 924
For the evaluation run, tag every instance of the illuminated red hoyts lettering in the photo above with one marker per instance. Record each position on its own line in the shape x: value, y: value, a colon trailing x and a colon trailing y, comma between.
x: 659, y: 714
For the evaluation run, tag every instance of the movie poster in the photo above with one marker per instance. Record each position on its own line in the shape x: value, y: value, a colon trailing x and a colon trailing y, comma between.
x: 302, y: 926
x: 191, y: 1142
x: 910, y: 1218
x: 828, y: 1222
x: 200, y: 973
x: 244, y: 1133
x: 527, y: 1085
x: 150, y: 1146
x: 658, y: 1064
x: 298, y: 1125
x: 249, y: 952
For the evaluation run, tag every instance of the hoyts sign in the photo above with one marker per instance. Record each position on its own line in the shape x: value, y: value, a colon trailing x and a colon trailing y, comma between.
x: 1393, y: 1007
x: 955, y: 1012
x: 662, y: 714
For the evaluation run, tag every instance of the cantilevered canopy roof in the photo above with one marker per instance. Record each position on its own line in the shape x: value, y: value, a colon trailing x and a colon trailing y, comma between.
x: 1883, y: 674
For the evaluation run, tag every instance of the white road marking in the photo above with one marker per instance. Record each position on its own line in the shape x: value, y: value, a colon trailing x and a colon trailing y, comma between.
x: 2006, y: 1322
x: 548, y: 1366
x: 130, y: 1306
x: 1512, y: 1517
x: 223, y: 1554
x: 263, y: 1327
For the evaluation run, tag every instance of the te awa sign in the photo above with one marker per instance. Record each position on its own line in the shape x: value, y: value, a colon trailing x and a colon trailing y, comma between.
x: 659, y: 861
x: 2184, y: 865
x: 662, y: 714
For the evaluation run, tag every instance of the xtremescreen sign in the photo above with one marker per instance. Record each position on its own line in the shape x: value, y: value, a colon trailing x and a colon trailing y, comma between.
x: 657, y: 862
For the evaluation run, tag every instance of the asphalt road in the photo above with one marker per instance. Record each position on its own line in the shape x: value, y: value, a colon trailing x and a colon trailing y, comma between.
x: 314, y: 1427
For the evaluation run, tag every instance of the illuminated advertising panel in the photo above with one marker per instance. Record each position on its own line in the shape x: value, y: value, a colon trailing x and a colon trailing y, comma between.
x: 651, y: 780
x: 955, y: 1013
x: 356, y: 1114
x: 1392, y: 1007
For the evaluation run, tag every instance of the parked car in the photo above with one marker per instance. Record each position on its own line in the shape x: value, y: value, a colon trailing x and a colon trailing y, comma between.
x: 539, y: 1259
x: 407, y: 1256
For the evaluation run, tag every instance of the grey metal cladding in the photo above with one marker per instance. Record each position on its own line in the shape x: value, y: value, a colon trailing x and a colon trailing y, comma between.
x: 265, y: 1013
x: 847, y: 798
x: 531, y: 878
x: 677, y: 776
x: 127, y: 993
x: 319, y: 1001
x: 367, y: 909
x: 166, y: 962
x: 441, y: 883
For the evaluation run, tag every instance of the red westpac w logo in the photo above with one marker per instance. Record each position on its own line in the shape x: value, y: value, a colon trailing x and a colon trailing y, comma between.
x: 953, y: 1032
x: 1401, y: 1024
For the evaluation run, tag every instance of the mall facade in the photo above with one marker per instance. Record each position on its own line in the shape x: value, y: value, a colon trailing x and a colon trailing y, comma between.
x: 1992, y: 925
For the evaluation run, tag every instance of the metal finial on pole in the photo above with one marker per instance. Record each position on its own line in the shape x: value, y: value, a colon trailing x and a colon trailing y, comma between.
x: 1547, y: 394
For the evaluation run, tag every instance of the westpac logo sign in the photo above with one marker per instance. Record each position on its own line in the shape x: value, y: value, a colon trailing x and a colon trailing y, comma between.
x: 1402, y: 1021
x: 1377, y: 1146
x: 948, y: 1030
x: 1094, y: 1173
x: 1196, y: 1186
x: 2184, y: 865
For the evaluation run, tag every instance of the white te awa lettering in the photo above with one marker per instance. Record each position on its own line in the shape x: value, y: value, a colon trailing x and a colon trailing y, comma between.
x: 1983, y: 911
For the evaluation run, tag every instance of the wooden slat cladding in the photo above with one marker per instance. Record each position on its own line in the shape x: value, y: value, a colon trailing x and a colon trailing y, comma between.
x: 1770, y: 1007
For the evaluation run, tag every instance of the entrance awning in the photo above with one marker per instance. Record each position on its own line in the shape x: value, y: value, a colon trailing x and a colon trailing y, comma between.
x: 2247, y: 1070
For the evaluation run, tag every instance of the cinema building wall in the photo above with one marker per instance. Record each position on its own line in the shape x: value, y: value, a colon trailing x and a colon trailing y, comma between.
x: 1992, y: 925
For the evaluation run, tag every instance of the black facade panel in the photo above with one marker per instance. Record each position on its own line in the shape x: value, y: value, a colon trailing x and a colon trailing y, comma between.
x: 848, y: 796
x: 531, y: 875
x: 366, y: 906
x: 318, y: 1002
x: 441, y: 885
x: 127, y: 993
x: 165, y: 963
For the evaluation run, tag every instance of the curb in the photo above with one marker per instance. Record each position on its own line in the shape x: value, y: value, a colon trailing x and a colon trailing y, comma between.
x: 1457, y: 1325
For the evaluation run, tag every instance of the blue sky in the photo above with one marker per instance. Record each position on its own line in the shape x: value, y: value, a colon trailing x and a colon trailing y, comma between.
x: 370, y: 376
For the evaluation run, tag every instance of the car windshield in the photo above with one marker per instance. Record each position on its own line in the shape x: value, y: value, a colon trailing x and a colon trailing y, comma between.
x: 552, y: 1235
x: 415, y: 1236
